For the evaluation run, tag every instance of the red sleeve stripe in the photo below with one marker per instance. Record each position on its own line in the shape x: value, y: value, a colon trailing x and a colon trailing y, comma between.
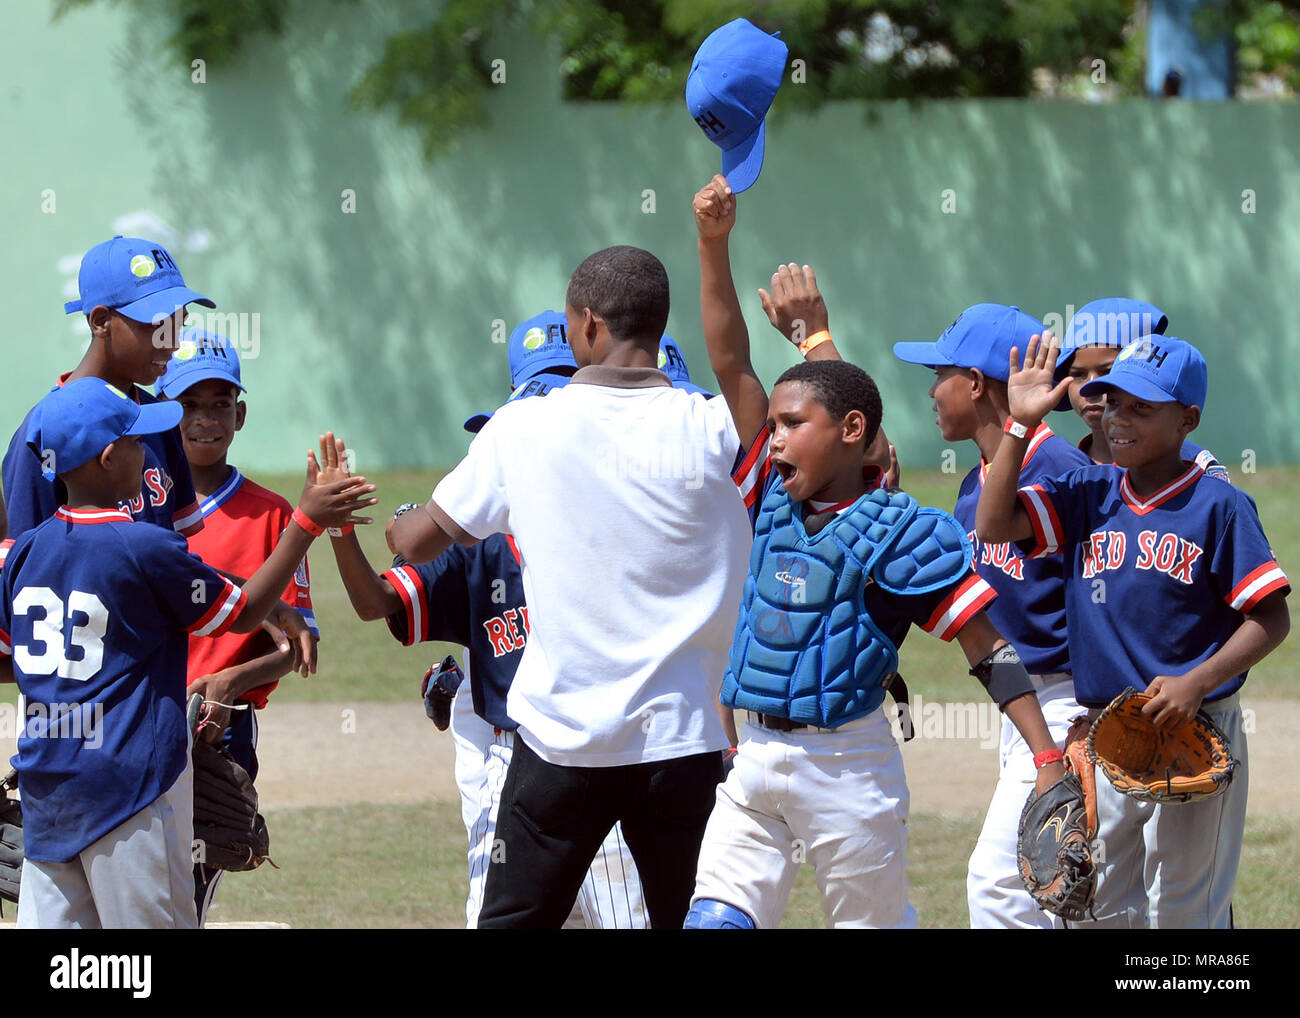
x: 406, y: 582
x: 223, y: 613
x: 5, y: 649
x: 1257, y: 585
x: 5, y: 545
x: 188, y: 521
x: 754, y: 469
x: 959, y: 607
x: 1042, y: 517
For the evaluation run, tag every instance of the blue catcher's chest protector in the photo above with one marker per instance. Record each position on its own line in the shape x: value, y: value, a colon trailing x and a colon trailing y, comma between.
x: 805, y: 647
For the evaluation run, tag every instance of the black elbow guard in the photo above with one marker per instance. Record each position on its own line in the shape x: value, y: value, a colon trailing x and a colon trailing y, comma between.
x: 1003, y: 676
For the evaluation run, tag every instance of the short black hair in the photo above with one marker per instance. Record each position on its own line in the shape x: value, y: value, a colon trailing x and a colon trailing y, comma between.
x: 840, y: 387
x: 627, y: 287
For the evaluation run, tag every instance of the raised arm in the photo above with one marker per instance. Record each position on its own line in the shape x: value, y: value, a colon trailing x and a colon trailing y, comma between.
x: 331, y: 504
x: 725, y: 334
x: 999, y: 517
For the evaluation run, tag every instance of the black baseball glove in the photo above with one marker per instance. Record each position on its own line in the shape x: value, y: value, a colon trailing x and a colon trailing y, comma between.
x: 439, y: 689
x: 1055, y: 850
x: 11, y: 839
x: 229, y: 833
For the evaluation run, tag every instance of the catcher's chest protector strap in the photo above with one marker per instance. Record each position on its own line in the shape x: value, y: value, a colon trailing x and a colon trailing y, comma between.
x: 805, y: 647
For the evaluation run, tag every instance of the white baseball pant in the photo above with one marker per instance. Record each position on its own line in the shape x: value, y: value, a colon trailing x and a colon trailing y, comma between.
x: 610, y: 897
x: 837, y: 799
x: 995, y: 893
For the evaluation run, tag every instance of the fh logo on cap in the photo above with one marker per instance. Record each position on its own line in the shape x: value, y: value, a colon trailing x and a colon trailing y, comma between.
x: 1144, y: 350
x: 537, y: 337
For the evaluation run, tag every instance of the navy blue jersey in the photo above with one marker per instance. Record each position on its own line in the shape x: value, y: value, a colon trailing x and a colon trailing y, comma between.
x: 1030, y: 607
x: 166, y: 497
x: 1154, y: 586
x: 96, y: 613
x: 1192, y: 453
x: 474, y: 597
x: 941, y: 613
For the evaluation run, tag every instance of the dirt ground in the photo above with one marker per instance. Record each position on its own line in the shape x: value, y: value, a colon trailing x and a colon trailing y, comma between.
x: 334, y: 754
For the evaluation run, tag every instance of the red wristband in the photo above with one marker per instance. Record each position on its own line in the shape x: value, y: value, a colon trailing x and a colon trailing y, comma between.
x: 342, y: 531
x: 1051, y: 756
x: 306, y: 522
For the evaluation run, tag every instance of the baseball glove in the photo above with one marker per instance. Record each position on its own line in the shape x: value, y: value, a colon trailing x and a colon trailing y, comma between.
x: 439, y: 689
x: 11, y: 839
x: 1161, y: 765
x: 229, y: 833
x: 1057, y: 829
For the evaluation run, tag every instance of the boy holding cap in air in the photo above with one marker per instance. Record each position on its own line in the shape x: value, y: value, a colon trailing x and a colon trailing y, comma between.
x: 970, y: 399
x: 243, y: 521
x: 94, y: 615
x: 1170, y: 587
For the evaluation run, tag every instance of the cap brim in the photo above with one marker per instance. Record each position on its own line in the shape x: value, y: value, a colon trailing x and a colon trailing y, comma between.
x: 1138, y: 387
x: 742, y: 163
x: 162, y: 304
x: 475, y: 424
x: 925, y: 354
x: 156, y: 417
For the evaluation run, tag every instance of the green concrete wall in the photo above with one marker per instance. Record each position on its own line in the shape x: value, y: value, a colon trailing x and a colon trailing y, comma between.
x: 383, y: 323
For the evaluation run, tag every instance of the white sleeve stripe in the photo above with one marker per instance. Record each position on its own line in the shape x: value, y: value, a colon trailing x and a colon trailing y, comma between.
x: 1247, y: 593
x: 233, y: 594
x: 1040, y: 513
x: 185, y: 522
x: 415, y: 629
x: 746, y: 482
x: 958, y: 608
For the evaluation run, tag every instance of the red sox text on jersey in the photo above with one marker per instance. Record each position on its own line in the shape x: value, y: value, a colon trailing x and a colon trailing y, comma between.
x: 508, y: 631
x: 1166, y: 553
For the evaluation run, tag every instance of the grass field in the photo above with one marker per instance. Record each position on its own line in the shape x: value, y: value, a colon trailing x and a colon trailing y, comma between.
x: 366, y: 867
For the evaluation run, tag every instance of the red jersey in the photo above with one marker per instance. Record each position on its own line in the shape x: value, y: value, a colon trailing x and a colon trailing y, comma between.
x: 242, y: 522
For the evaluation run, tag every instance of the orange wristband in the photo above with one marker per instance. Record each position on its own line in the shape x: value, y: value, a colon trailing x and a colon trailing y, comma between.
x: 339, y: 531
x: 306, y: 522
x: 814, y: 341
x: 1051, y: 756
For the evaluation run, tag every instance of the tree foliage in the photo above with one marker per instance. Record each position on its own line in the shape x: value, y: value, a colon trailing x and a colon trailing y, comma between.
x: 436, y: 76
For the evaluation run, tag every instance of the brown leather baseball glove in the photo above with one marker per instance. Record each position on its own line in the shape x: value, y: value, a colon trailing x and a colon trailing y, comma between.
x: 1174, y: 765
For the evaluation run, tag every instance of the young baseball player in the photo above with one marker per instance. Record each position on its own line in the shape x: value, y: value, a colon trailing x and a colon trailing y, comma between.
x: 616, y: 491
x: 475, y: 597
x: 1093, y: 339
x: 236, y: 672
x: 969, y: 361
x: 1170, y: 587
x: 833, y: 588
x: 134, y: 300
x: 95, y: 613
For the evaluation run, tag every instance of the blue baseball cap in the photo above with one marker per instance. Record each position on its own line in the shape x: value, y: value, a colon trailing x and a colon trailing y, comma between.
x: 672, y: 362
x: 734, y: 78
x: 981, y: 337
x: 137, y: 278
x: 1159, y: 369
x: 539, y: 344
x: 200, y: 355
x: 538, y: 385
x: 77, y: 421
x: 1109, y: 322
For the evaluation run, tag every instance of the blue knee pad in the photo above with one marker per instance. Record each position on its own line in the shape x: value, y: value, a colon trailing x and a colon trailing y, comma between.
x: 707, y: 914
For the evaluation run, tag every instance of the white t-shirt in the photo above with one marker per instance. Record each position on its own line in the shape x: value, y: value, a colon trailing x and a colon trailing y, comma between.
x: 634, y: 542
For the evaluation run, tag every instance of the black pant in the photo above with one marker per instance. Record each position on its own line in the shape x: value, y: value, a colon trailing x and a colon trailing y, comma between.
x: 552, y: 820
